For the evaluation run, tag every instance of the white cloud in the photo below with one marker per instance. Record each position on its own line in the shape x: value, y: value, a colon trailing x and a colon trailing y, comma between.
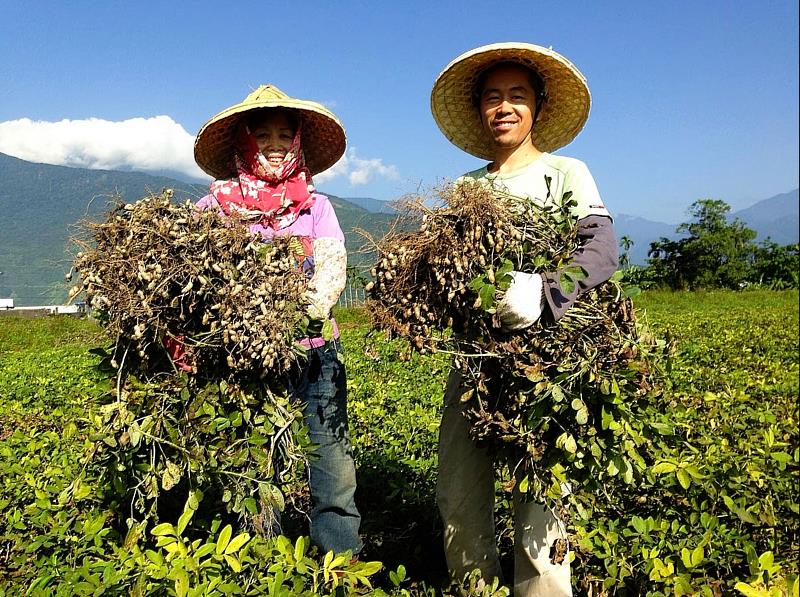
x: 151, y: 144
x: 358, y: 171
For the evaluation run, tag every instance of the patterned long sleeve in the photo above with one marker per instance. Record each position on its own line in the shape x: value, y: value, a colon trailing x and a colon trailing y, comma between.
x: 330, y: 276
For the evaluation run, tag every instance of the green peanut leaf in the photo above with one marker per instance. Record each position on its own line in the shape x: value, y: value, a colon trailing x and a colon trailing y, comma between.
x: 181, y: 583
x: 639, y: 525
x: 233, y: 563
x: 205, y: 550
x: 749, y: 591
x: 223, y: 539
x: 523, y: 484
x: 486, y: 295
x: 370, y: 568
x: 164, y: 528
x: 565, y: 441
x: 663, y: 467
x: 558, y: 393
x: 154, y: 557
x: 698, y: 553
x: 184, y: 519
x: 237, y: 543
x: 251, y: 505
x: 299, y: 549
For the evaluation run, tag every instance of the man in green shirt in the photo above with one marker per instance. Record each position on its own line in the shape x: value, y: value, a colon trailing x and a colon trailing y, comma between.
x: 513, y: 104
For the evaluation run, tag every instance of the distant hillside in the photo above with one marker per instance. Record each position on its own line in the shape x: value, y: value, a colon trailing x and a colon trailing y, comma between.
x: 375, y: 206
x: 40, y: 204
x: 777, y: 217
x: 353, y: 217
x: 642, y: 232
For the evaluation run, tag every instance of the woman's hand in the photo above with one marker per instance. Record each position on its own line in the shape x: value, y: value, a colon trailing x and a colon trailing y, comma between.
x: 317, y: 309
x: 523, y: 302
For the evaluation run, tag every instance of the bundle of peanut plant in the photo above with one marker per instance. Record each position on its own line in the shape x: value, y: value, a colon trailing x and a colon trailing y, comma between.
x: 558, y: 400
x: 203, y: 320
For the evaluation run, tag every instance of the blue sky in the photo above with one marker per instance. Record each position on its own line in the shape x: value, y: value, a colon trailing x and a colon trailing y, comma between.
x: 690, y: 99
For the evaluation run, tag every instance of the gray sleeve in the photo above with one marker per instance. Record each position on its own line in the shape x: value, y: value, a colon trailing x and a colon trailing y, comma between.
x: 597, y: 254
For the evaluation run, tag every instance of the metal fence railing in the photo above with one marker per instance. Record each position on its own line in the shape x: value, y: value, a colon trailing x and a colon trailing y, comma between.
x: 353, y: 295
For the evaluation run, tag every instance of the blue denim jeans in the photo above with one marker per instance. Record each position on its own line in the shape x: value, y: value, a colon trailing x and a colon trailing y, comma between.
x: 322, y: 389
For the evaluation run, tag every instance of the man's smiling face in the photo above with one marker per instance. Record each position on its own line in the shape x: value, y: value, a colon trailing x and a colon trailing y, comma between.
x: 507, y: 106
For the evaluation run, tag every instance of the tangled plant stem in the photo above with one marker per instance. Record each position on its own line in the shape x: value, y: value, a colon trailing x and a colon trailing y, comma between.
x: 158, y: 271
x: 203, y: 318
x: 558, y: 400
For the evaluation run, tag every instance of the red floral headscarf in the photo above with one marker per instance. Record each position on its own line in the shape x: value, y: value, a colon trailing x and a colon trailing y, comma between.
x: 274, y: 196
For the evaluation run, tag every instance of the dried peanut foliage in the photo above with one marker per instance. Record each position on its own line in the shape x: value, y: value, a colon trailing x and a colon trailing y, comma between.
x: 558, y: 400
x: 213, y: 414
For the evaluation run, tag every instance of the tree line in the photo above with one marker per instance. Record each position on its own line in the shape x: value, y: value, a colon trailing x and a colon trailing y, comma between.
x: 713, y: 252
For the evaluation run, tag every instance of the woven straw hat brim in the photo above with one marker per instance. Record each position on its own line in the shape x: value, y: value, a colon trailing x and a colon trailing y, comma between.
x: 560, y: 120
x: 323, y: 139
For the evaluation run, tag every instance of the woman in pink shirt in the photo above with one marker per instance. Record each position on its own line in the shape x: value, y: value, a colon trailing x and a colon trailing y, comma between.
x: 262, y: 153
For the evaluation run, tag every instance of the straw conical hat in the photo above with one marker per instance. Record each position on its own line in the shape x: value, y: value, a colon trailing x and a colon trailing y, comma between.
x: 323, y: 135
x: 561, y: 117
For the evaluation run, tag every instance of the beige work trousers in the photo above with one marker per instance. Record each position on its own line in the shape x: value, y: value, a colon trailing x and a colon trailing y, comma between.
x: 465, y: 494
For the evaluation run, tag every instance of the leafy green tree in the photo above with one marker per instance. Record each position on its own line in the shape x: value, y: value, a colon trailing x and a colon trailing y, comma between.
x: 712, y: 253
x: 632, y: 274
x: 625, y: 244
x: 775, y: 265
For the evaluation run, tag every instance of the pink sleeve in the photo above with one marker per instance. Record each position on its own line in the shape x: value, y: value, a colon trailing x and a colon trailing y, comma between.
x: 326, y: 225
x: 207, y: 202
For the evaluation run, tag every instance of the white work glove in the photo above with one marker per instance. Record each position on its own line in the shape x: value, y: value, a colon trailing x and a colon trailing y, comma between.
x: 523, y: 302
x: 317, y: 309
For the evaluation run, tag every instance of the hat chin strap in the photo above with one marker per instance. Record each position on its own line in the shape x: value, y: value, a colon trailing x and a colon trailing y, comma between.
x: 537, y: 110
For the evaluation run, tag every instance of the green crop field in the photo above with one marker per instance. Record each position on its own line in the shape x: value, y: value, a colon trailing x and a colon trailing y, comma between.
x: 717, y: 513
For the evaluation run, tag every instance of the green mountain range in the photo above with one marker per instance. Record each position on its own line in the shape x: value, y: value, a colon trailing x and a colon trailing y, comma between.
x: 40, y: 205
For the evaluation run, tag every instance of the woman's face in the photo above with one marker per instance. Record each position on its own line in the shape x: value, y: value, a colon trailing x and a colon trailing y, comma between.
x: 274, y: 135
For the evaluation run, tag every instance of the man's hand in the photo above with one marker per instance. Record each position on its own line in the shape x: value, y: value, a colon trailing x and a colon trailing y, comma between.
x: 523, y: 302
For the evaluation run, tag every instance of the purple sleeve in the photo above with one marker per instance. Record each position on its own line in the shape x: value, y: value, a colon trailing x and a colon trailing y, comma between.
x: 326, y: 225
x: 598, y: 255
